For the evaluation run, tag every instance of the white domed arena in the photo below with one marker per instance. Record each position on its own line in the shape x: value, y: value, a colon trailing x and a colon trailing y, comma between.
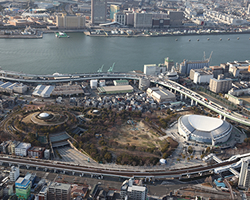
x: 204, y: 129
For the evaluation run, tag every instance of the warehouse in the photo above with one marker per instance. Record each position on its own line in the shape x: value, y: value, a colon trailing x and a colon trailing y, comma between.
x: 115, y: 89
x: 161, y: 95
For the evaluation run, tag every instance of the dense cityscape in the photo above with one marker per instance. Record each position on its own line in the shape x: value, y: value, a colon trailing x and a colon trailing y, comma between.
x: 168, y: 131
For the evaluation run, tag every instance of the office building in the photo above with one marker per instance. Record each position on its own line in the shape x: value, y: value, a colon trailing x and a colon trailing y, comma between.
x: 244, y: 179
x: 120, y: 18
x: 70, y: 22
x: 142, y: 20
x: 137, y: 192
x: 98, y: 11
x: 169, y: 64
x: 200, y: 75
x: 114, y: 9
x: 23, y: 187
x: 217, y: 70
x: 176, y: 18
x: 186, y: 66
x: 59, y: 191
x: 22, y: 148
x: 220, y: 85
x: 130, y: 19
x: 153, y: 69
x: 14, y: 173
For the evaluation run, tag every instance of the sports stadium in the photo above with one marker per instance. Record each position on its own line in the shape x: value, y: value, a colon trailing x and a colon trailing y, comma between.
x: 204, y: 129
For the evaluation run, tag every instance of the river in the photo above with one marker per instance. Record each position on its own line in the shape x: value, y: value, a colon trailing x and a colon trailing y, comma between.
x: 81, y: 53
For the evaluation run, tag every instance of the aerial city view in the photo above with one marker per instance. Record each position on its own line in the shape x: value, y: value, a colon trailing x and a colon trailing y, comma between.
x: 124, y: 100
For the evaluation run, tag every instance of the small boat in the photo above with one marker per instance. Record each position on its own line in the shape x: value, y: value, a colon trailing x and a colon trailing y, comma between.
x: 61, y: 35
x: 189, y: 40
x: 176, y: 39
x: 228, y: 39
x: 220, y: 39
x: 238, y: 38
x: 208, y: 39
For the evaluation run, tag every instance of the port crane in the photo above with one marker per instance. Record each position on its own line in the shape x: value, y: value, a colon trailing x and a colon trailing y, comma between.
x: 111, y: 68
x: 208, y: 59
x: 100, y: 69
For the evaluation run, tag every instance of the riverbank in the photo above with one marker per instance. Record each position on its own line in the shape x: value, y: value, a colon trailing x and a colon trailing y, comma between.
x: 87, y: 33
x: 40, y: 36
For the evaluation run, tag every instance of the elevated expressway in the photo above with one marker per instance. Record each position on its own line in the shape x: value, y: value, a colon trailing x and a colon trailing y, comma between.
x: 185, y: 92
x: 111, y: 172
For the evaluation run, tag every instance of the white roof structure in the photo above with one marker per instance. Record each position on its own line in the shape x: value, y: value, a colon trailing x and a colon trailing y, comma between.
x: 43, y: 90
x: 204, y: 129
x: 43, y: 115
x: 204, y: 123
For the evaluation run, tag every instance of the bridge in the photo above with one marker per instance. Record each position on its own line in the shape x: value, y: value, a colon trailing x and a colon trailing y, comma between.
x: 173, y: 86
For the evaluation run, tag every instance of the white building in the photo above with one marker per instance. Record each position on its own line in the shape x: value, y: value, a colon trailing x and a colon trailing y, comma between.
x: 131, y: 191
x: 161, y: 95
x: 244, y: 179
x: 20, y: 88
x: 93, y: 84
x: 120, y: 17
x: 43, y: 90
x: 22, y: 148
x: 202, y: 77
x: 204, y: 129
x: 153, y: 69
x: 137, y: 192
x: 120, y: 82
x: 14, y: 173
x: 47, y: 154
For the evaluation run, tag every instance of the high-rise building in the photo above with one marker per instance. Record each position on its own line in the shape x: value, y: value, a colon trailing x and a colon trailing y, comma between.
x: 72, y: 22
x: 23, y: 188
x: 186, y: 66
x: 142, y: 20
x: 14, y: 173
x: 120, y: 17
x: 221, y: 84
x: 114, y: 9
x: 244, y: 179
x: 169, y: 64
x: 98, y: 11
x: 59, y: 191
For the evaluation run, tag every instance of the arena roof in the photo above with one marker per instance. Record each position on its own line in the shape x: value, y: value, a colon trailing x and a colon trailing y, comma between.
x: 204, y: 123
x: 203, y: 126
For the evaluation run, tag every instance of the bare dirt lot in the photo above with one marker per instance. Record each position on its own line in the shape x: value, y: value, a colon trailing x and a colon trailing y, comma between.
x: 138, y: 134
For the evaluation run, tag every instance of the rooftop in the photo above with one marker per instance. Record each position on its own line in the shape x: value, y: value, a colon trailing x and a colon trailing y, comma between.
x: 61, y: 186
x: 23, y: 145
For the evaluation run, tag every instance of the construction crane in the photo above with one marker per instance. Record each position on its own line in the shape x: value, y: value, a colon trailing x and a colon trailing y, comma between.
x: 100, y: 70
x: 111, y: 68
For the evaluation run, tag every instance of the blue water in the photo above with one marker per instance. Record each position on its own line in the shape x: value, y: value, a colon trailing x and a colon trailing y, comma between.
x: 81, y: 53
